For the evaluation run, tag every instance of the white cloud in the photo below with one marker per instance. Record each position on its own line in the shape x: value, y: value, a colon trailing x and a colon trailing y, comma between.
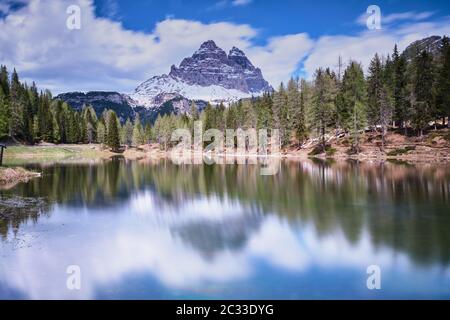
x: 221, y: 4
x: 281, y: 56
x: 103, y: 55
x: 363, y: 46
x: 397, y: 16
x: 149, y: 246
x: 241, y: 2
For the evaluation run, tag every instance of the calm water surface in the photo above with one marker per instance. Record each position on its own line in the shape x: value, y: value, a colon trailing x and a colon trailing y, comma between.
x: 141, y: 230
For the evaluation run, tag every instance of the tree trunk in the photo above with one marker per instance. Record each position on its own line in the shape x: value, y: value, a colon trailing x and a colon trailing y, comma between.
x: 323, y: 139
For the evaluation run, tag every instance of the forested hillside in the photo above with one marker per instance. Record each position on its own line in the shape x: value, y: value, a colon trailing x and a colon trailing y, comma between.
x: 409, y: 93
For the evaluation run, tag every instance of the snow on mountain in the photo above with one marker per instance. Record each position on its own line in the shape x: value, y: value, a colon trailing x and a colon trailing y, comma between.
x: 209, y: 75
x: 148, y: 92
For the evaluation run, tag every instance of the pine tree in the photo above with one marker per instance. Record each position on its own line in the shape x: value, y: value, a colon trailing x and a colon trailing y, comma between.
x: 209, y: 116
x: 16, y: 107
x: 264, y: 112
x: 354, y: 101
x: 113, y: 140
x: 4, y: 102
x: 379, y: 98
x: 306, y: 93
x: 194, y: 111
x: 250, y: 117
x: 299, y: 113
x: 231, y: 116
x: 194, y: 115
x: 220, y: 116
x: 44, y: 119
x: 323, y: 106
x: 292, y: 108
x: 138, y: 132
x: 443, y: 82
x: 423, y: 107
x: 157, y: 129
x: 4, y: 114
x: 101, y: 132
x: 400, y: 92
x: 149, y: 134
x: 4, y: 81
x: 279, y: 111
x: 78, y: 128
x: 90, y: 123
x: 126, y: 136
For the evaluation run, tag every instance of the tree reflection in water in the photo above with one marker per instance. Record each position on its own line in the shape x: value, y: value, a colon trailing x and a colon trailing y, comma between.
x: 402, y: 207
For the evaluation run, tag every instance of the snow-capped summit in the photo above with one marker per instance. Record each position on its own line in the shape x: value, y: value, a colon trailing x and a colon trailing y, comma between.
x: 208, y: 75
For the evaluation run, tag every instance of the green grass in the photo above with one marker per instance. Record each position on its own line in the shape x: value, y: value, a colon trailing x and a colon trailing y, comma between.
x: 37, y: 151
x: 399, y: 152
x: 17, y: 155
x: 329, y: 151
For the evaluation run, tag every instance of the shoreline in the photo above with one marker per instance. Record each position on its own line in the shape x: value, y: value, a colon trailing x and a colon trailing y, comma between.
x: 17, y: 156
x: 9, y: 177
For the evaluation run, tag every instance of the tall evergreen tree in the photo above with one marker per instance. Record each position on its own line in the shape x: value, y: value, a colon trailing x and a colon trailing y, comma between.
x: 443, y: 82
x: 138, y: 132
x: 250, y: 116
x: 379, y: 102
x: 423, y: 107
x: 4, y: 114
x: 264, y: 112
x: 16, y: 107
x: 101, y: 132
x: 300, y: 127
x: 127, y: 133
x: 354, y: 97
x: 45, y: 119
x: 323, y: 107
x: 294, y: 119
x: 90, y: 121
x: 400, y: 93
x: 194, y: 115
x: 209, y: 118
x: 113, y: 140
x: 279, y: 111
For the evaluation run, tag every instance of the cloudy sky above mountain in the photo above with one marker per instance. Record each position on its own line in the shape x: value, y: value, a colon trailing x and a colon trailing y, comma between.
x: 122, y: 43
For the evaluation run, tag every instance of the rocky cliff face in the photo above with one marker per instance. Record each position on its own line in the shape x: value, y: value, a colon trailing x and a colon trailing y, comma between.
x: 209, y: 75
x: 210, y: 65
x: 431, y: 44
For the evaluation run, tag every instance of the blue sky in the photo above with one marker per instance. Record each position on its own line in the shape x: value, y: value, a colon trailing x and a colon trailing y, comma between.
x: 122, y: 43
x: 318, y: 18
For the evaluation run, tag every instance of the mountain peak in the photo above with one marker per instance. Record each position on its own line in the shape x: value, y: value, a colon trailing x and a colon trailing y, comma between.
x: 236, y: 52
x: 209, y: 75
x: 210, y: 44
x: 209, y: 48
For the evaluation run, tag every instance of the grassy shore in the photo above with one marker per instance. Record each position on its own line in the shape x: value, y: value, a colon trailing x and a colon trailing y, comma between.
x: 14, y: 175
x: 16, y: 155
x: 434, y: 146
